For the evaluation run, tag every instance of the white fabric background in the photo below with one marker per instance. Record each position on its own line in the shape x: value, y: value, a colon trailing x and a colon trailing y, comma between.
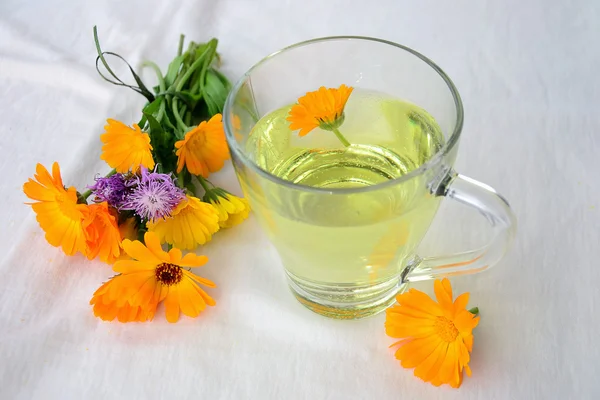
x: 528, y: 75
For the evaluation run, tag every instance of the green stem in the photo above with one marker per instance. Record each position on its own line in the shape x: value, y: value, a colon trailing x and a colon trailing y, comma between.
x: 180, y: 122
x: 161, y: 84
x: 474, y: 311
x: 204, y: 183
x: 181, y: 82
x: 205, y: 67
x: 191, y: 188
x: 161, y: 80
x: 339, y: 135
x: 101, y: 55
x: 180, y: 179
x: 191, y: 70
x: 180, y: 46
x: 142, y: 231
x: 88, y: 192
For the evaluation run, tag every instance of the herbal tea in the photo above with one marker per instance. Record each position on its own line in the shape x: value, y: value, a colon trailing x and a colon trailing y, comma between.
x: 347, y: 238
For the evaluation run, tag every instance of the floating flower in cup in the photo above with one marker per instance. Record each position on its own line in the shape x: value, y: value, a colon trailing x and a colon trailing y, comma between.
x: 126, y: 148
x: 232, y: 210
x: 152, y: 276
x: 103, y: 239
x: 204, y: 148
x: 323, y: 108
x: 154, y: 196
x: 112, y: 189
x: 437, y: 337
x: 56, y: 209
x: 192, y: 222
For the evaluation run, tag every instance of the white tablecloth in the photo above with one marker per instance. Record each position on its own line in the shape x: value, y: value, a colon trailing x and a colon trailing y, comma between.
x: 528, y: 75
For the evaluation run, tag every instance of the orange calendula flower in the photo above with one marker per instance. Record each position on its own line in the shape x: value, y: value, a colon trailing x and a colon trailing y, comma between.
x: 56, y: 209
x: 151, y: 277
x: 102, y: 234
x: 204, y: 149
x: 437, y: 336
x: 126, y: 148
x: 192, y: 222
x: 322, y: 108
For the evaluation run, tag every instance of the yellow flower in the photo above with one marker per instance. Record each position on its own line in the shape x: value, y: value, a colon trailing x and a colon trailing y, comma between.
x: 204, y: 149
x: 232, y: 210
x: 322, y: 108
x: 437, y: 336
x: 56, y: 209
x: 192, y: 222
x: 126, y: 148
x: 102, y: 234
x: 151, y: 277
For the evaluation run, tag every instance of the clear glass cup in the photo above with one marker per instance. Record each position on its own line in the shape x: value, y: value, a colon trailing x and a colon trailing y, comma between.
x: 328, y: 275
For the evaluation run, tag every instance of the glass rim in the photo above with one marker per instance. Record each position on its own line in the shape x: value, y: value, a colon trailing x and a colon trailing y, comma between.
x: 428, y: 165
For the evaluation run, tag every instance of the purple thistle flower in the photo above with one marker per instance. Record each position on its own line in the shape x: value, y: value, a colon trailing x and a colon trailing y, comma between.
x: 112, y: 189
x: 154, y: 196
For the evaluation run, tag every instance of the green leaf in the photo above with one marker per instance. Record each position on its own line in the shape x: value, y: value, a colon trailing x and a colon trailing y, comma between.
x: 173, y: 70
x: 215, y: 92
x: 141, y: 88
x: 223, y: 79
x: 158, y: 137
x: 150, y: 108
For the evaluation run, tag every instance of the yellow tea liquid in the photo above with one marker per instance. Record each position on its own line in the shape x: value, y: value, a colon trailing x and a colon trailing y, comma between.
x: 354, y: 244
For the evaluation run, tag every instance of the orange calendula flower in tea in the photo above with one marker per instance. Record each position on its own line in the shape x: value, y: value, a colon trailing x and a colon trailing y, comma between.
x: 153, y: 275
x: 437, y: 336
x: 102, y: 234
x: 204, y: 149
x: 322, y: 108
x: 56, y: 209
x: 192, y: 222
x: 126, y: 148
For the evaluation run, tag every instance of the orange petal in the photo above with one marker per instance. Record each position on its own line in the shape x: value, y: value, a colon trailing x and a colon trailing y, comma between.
x: 417, y: 351
x: 130, y: 266
x: 443, y: 293
x: 193, y: 260
x: 419, y: 301
x: 448, y: 370
x: 175, y: 255
x: 172, y: 305
x: 461, y: 302
x: 135, y: 249
x: 431, y: 366
x: 464, y: 321
x: 153, y: 245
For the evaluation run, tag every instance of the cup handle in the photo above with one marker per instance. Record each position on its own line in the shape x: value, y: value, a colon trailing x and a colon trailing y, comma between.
x: 493, y: 207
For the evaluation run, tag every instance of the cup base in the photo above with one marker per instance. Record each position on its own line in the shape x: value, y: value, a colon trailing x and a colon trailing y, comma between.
x: 346, y: 301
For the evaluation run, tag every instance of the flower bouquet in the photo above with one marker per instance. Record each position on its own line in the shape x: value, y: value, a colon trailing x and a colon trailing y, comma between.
x: 151, y: 197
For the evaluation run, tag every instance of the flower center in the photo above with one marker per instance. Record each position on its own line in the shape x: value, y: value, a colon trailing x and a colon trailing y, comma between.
x: 168, y: 274
x: 446, y: 329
